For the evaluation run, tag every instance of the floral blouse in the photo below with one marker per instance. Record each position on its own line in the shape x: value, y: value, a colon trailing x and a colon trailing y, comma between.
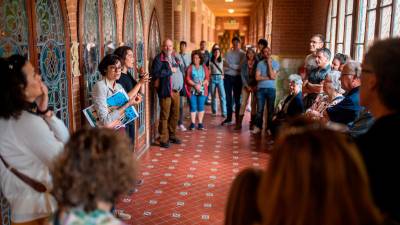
x: 321, y: 103
x: 80, y: 217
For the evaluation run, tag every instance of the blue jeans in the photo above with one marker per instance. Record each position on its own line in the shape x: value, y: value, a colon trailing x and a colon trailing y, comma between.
x: 217, y: 82
x: 265, y: 94
x: 232, y: 84
x: 197, y: 103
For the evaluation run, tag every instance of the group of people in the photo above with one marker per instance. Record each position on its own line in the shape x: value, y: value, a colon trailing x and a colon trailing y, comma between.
x: 236, y: 77
x: 44, y: 171
x: 319, y: 174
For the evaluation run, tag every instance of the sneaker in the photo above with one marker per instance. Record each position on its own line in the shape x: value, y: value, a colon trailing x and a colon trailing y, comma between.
x: 192, y: 126
x: 223, y: 115
x: 256, y: 130
x: 164, y: 145
x: 175, y: 140
x: 120, y: 214
x: 200, y: 126
x: 182, y: 127
x: 213, y: 114
x: 139, y: 182
x: 227, y: 122
x: 271, y: 142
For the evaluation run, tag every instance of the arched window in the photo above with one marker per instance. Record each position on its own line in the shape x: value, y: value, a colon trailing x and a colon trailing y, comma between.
x: 109, y: 26
x: 140, y: 61
x: 90, y: 46
x: 129, y: 24
x: 51, y: 49
x: 98, y: 38
x: 46, y: 44
x: 14, y: 28
x: 153, y: 48
x: 339, y: 28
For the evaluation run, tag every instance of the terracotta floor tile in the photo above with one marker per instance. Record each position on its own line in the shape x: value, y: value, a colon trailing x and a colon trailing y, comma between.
x: 189, y: 183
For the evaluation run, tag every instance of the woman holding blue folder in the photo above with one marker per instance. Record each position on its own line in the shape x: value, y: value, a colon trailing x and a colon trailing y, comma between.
x: 110, y: 68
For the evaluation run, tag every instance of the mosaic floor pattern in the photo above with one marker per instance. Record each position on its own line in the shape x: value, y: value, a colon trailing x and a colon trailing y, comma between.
x: 189, y: 183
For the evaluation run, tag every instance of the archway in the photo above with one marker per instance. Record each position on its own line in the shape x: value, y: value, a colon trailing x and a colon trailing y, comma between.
x: 154, y: 48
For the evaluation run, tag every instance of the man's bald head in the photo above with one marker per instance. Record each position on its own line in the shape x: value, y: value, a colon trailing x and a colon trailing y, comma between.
x: 168, y: 46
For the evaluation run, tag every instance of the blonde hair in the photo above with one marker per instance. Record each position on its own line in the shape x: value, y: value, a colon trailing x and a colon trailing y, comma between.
x: 316, y: 176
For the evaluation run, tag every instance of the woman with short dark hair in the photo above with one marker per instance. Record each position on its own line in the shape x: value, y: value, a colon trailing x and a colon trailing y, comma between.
x: 31, y: 136
x: 110, y: 68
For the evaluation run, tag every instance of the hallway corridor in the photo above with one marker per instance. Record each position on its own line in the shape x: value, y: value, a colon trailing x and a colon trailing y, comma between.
x: 189, y: 183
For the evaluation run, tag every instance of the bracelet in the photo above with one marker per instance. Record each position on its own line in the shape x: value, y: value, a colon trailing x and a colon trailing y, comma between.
x: 43, y: 112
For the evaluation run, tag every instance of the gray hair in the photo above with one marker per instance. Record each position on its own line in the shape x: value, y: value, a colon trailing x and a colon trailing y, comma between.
x: 326, y: 52
x: 296, y: 79
x: 354, y: 67
x: 335, y: 77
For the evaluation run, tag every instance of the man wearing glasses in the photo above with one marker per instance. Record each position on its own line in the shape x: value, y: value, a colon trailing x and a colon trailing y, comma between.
x: 380, y: 93
x: 349, y: 108
x: 316, y: 42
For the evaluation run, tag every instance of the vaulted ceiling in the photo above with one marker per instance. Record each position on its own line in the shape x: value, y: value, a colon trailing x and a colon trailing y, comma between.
x: 220, y: 7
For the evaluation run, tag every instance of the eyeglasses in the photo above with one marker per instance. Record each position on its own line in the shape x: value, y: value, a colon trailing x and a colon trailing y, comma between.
x: 315, y: 42
x: 115, y: 68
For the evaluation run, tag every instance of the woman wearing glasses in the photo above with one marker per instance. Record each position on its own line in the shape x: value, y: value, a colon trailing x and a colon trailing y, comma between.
x: 110, y: 68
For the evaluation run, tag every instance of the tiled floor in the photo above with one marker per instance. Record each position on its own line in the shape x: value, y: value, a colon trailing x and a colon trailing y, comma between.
x: 189, y: 183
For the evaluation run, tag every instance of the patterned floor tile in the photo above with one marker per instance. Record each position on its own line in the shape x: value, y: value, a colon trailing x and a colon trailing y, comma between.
x: 189, y: 183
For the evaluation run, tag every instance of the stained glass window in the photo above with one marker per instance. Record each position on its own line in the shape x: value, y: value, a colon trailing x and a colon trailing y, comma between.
x: 14, y: 28
x: 154, y: 48
x: 129, y: 25
x: 91, y: 46
x: 109, y: 26
x: 140, y: 61
x: 51, y: 52
x: 139, y: 35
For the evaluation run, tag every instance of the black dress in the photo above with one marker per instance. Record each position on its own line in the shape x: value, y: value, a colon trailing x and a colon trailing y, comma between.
x: 128, y: 83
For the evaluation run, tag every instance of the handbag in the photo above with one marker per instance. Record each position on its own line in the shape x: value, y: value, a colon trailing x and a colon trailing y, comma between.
x: 36, y: 185
x: 220, y: 70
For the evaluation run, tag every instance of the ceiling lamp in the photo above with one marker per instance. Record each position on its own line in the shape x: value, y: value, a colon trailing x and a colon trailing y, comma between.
x: 228, y: 0
x: 231, y: 11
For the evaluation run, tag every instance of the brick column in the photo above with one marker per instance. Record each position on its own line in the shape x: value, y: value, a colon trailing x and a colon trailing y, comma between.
x: 193, y: 22
x: 168, y: 17
x: 177, y: 21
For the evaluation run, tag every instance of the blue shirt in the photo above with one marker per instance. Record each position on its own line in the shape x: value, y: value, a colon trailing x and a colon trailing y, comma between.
x: 318, y: 75
x: 263, y: 68
x: 198, y: 75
